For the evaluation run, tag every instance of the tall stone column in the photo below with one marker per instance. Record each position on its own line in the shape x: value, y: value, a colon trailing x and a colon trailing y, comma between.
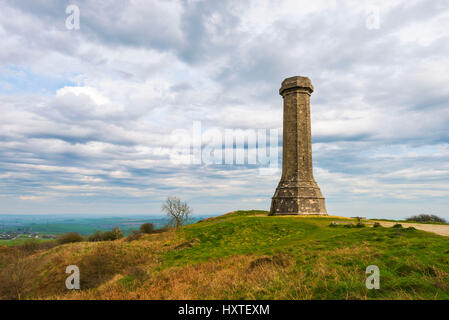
x: 297, y: 192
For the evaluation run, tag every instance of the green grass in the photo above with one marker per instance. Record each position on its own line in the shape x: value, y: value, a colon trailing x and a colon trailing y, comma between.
x: 410, y: 261
x: 249, y: 255
x: 20, y: 241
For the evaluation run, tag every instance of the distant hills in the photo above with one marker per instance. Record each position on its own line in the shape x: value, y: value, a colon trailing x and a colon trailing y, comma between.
x: 83, y: 224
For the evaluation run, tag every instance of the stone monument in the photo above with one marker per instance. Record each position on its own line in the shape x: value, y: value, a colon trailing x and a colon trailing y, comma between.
x: 297, y: 192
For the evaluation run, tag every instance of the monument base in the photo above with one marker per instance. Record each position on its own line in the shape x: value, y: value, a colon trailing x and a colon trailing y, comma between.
x: 298, y: 198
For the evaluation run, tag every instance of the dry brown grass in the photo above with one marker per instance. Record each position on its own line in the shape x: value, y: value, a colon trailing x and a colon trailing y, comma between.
x: 237, y: 277
x: 42, y: 273
x: 17, y: 278
x: 218, y: 279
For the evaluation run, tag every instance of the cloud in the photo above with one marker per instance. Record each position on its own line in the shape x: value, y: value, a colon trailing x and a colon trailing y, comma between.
x: 89, y: 115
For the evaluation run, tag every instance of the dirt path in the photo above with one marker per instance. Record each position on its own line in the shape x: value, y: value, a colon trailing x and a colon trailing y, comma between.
x: 440, y: 229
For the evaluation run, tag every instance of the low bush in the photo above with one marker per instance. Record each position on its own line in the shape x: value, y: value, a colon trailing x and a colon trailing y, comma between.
x: 398, y: 226
x: 377, y: 225
x: 17, y: 277
x: 147, y: 228
x: 114, y: 234
x: 426, y: 218
x: 96, y: 236
x: 69, y: 238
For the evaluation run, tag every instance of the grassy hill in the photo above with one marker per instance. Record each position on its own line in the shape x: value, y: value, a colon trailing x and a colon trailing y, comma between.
x: 240, y: 255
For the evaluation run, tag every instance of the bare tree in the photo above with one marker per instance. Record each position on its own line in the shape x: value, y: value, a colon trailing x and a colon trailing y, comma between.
x: 178, y: 212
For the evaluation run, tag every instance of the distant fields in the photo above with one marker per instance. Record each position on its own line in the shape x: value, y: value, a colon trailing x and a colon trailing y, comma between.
x: 20, y: 241
x: 89, y: 226
x: 82, y: 225
x: 54, y: 225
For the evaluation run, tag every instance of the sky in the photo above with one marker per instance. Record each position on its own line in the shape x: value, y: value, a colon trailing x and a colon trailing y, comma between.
x: 95, y: 116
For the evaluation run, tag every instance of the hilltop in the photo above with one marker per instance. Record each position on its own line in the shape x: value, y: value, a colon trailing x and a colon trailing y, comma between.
x: 241, y: 255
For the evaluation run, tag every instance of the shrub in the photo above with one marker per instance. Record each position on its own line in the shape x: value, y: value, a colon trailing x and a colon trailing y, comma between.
x: 69, y: 238
x: 114, y: 234
x: 17, y: 277
x: 426, y: 218
x: 349, y: 225
x: 360, y: 225
x: 147, y: 228
x: 397, y: 225
x: 377, y: 225
x: 96, y: 236
x: 333, y: 224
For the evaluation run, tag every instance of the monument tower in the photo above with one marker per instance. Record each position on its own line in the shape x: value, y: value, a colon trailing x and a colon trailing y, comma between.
x: 297, y: 192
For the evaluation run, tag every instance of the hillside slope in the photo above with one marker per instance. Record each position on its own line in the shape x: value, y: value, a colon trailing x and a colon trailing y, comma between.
x: 241, y: 255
